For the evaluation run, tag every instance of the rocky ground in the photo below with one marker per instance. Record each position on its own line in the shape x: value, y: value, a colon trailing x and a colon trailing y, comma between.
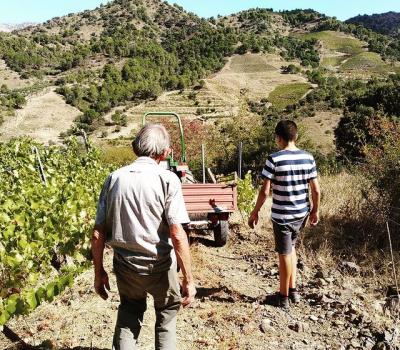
x: 341, y: 309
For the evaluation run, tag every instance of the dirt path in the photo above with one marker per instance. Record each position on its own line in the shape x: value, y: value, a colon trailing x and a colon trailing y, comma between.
x: 338, y: 312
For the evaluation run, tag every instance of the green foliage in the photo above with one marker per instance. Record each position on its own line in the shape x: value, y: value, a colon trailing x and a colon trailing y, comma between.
x: 377, y: 102
x: 39, y: 223
x: 254, y: 131
x: 387, y: 47
x: 200, y: 49
x: 382, y: 162
x: 298, y: 17
x: 336, y: 41
x: 385, y: 23
x: 304, y: 50
x: 246, y: 194
x: 366, y: 61
x: 290, y: 69
x: 119, y: 119
x: 284, y: 95
x: 117, y: 155
x: 12, y: 99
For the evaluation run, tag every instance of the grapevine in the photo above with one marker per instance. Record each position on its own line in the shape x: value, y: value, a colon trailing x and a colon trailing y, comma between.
x: 44, y: 228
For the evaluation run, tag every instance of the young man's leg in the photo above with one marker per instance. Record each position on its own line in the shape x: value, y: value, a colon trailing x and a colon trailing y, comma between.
x: 285, y: 273
x: 296, y: 227
x: 292, y: 282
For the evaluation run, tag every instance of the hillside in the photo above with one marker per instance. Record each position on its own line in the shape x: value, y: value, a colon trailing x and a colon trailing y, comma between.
x: 340, y: 308
x: 385, y: 23
x: 138, y: 55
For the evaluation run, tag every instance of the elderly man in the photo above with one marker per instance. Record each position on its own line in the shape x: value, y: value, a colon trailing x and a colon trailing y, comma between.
x: 139, y: 214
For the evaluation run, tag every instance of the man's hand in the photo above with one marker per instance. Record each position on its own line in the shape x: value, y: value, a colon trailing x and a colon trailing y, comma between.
x: 101, y: 283
x: 188, y: 293
x: 314, y: 218
x: 253, y: 219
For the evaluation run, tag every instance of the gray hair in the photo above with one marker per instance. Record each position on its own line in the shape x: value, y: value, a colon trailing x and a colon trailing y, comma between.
x: 151, y: 141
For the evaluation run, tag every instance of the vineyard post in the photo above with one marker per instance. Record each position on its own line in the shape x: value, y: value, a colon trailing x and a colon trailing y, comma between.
x: 240, y: 153
x: 85, y: 139
x: 41, y: 170
x: 203, y: 162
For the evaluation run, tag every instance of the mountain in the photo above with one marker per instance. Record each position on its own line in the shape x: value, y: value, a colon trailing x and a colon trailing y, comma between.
x: 130, y: 52
x: 386, y: 23
x: 6, y: 27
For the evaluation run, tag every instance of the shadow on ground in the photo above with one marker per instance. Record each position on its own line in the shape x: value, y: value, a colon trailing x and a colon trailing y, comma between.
x: 19, y: 344
x: 223, y: 295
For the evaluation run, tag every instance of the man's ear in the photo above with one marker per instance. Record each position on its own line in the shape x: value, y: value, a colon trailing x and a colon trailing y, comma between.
x: 165, y: 154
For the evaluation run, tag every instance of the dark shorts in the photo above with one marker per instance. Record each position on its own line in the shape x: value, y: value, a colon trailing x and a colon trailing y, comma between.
x: 286, y: 235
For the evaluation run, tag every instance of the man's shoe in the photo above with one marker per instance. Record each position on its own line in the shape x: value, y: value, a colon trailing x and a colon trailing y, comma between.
x: 294, y: 296
x: 278, y: 300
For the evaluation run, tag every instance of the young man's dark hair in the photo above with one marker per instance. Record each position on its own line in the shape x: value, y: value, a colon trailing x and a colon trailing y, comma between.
x: 287, y: 130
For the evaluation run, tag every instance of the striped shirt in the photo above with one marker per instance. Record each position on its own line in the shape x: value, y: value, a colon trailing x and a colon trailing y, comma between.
x: 290, y: 172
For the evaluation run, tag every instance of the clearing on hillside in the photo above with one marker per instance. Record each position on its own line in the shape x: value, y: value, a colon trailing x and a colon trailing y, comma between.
x: 287, y: 94
x: 366, y: 61
x: 337, y: 41
x: 319, y: 129
x: 43, y: 118
x: 11, y: 79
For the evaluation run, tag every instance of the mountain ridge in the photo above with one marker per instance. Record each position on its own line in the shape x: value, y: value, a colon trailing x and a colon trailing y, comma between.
x: 10, y: 27
x: 386, y: 23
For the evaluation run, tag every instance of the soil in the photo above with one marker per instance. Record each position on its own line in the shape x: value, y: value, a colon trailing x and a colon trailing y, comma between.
x: 338, y: 310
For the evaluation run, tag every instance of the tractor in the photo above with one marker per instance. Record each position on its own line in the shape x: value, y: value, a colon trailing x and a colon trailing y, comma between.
x: 209, y: 205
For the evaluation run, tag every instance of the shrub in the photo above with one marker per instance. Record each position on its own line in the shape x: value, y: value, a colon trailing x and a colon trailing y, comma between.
x: 246, y: 194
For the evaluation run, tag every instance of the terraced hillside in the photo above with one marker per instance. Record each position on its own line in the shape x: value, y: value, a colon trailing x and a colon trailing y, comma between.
x: 348, y: 56
x: 251, y: 76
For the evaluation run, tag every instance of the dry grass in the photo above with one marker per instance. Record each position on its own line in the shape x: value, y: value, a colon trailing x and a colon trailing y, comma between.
x: 320, y: 127
x: 43, y: 118
x: 117, y: 155
x: 352, y: 228
x: 12, y: 79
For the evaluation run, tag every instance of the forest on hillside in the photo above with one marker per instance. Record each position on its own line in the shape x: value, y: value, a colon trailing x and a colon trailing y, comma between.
x: 385, y: 23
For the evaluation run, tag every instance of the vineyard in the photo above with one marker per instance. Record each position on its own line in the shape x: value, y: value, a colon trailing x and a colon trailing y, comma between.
x: 47, y: 205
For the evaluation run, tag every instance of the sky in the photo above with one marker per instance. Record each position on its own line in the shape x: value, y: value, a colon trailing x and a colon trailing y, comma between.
x: 19, y: 11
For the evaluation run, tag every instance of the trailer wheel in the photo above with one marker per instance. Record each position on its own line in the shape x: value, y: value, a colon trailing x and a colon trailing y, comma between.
x: 221, y: 233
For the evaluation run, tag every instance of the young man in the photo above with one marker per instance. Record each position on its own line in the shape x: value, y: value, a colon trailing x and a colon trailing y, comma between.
x: 140, y: 215
x: 290, y: 172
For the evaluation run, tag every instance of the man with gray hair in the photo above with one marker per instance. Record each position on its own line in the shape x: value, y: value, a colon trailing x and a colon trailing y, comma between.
x: 140, y: 215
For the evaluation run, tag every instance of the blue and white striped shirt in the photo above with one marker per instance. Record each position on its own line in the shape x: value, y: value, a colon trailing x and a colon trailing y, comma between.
x: 290, y: 171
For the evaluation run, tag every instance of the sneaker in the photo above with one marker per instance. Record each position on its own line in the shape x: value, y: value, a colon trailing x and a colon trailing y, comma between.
x: 278, y: 300
x: 294, y: 296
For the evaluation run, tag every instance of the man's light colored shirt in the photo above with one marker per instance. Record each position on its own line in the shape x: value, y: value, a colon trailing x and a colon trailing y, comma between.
x: 136, y: 205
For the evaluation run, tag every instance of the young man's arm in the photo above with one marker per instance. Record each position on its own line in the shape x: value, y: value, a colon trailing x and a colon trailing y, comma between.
x: 316, y: 197
x: 181, y: 246
x: 101, y: 282
x: 262, y: 196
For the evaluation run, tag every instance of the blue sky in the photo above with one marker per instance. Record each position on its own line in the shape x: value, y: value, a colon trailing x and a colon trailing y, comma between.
x: 17, y: 11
